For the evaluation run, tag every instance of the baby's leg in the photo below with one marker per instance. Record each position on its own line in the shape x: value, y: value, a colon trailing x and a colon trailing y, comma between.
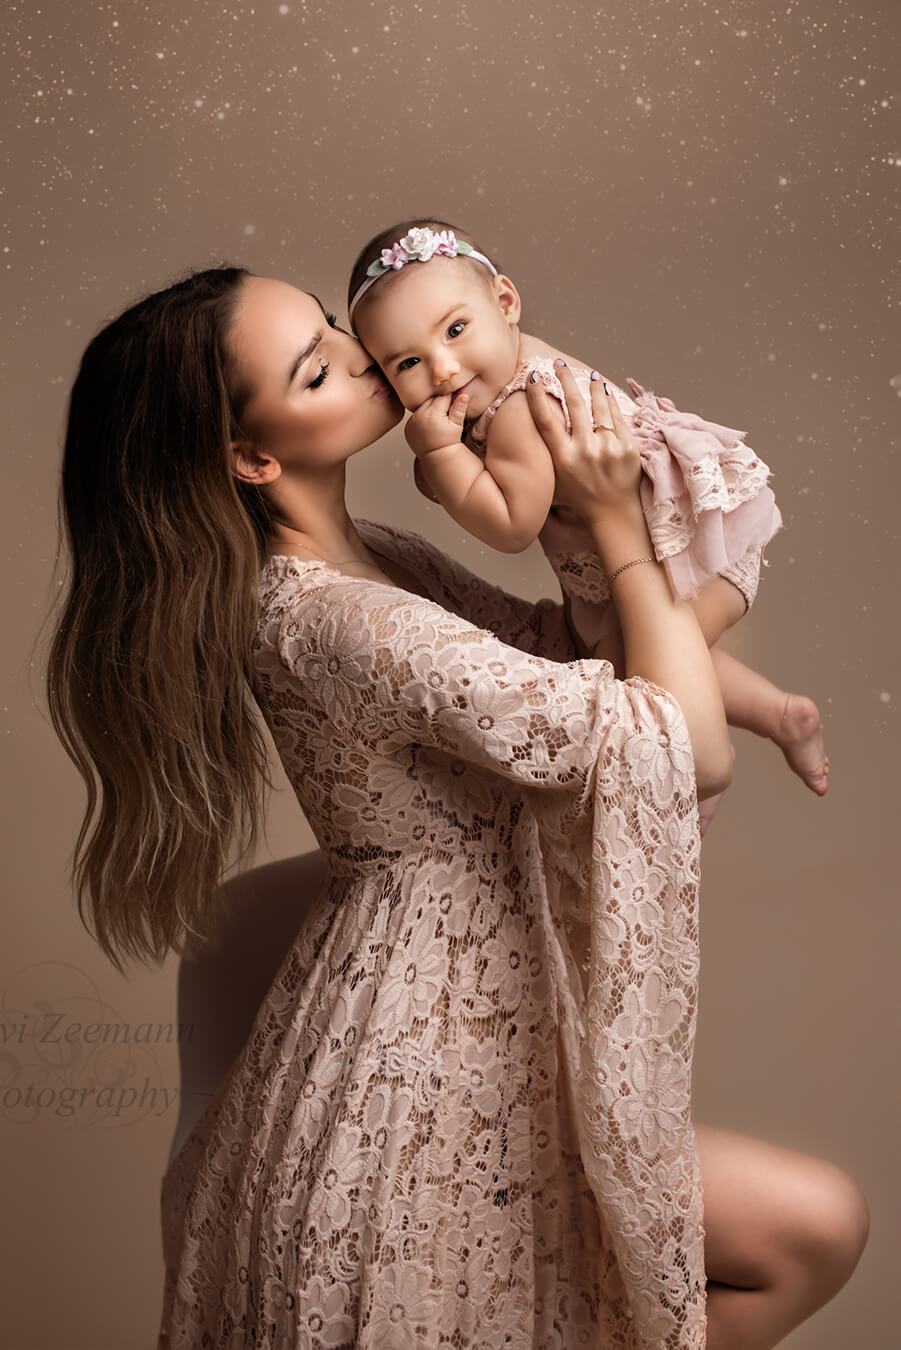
x: 751, y: 701
x: 793, y: 721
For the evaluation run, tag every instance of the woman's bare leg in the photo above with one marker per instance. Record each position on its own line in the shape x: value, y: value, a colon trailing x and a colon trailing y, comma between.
x: 784, y: 1231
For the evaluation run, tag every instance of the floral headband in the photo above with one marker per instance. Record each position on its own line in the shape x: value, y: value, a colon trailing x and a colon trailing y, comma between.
x: 419, y: 245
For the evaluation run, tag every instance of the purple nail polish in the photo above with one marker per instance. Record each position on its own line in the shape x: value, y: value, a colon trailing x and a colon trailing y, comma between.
x: 606, y: 387
x: 595, y: 374
x: 533, y: 378
x: 559, y: 362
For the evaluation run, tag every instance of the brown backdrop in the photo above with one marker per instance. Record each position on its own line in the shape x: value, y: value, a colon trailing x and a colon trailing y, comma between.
x: 694, y: 194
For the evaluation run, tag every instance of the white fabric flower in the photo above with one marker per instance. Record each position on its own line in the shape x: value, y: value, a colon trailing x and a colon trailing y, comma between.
x: 420, y: 243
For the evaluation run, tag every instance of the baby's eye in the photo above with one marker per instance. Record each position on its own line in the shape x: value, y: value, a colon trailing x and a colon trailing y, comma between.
x: 408, y: 363
x: 331, y: 319
x: 460, y: 324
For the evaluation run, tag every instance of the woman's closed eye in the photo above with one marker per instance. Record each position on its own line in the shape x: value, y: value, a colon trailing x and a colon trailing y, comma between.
x: 321, y: 377
x: 332, y: 321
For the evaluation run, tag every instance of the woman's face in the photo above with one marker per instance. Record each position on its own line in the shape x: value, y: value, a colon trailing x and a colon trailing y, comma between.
x: 315, y: 395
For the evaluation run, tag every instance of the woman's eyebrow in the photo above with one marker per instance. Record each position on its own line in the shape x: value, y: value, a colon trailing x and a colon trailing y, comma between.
x: 304, y: 355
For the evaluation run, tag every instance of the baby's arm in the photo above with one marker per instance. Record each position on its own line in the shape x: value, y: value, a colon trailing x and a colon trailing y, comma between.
x: 503, y: 501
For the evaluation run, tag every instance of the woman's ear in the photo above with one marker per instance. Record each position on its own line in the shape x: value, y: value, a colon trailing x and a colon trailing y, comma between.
x: 252, y: 465
x: 507, y: 297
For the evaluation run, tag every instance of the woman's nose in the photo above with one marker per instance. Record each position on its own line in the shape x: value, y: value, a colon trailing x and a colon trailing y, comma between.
x: 358, y: 361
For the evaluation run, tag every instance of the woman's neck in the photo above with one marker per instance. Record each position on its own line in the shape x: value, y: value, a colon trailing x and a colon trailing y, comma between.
x: 310, y: 518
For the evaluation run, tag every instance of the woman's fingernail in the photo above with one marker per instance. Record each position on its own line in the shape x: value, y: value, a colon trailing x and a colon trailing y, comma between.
x: 606, y: 387
x: 533, y: 378
x: 595, y: 374
x: 559, y: 362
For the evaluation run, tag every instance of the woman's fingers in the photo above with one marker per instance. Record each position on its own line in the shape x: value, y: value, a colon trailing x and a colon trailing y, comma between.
x: 579, y: 416
x: 550, y: 425
x: 600, y: 408
x: 607, y: 413
x: 617, y: 421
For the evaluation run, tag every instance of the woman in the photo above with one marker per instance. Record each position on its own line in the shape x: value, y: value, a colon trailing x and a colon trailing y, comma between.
x: 462, y: 1114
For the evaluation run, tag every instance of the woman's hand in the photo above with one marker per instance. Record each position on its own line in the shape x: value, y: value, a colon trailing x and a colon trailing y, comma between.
x: 598, y: 469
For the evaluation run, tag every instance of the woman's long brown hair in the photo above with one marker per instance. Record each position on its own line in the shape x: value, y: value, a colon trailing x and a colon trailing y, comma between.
x: 151, y: 685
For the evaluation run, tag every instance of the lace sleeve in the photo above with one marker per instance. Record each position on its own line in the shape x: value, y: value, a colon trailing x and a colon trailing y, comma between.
x: 536, y: 626
x: 606, y: 769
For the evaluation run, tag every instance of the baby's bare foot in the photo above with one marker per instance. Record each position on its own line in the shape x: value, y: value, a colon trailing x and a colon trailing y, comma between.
x: 800, y: 738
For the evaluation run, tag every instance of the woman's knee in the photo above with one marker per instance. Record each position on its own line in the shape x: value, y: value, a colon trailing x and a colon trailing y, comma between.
x: 832, y: 1222
x: 775, y: 1214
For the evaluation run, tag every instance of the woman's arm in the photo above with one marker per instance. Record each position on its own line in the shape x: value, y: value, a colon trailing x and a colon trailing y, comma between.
x: 663, y: 642
x: 597, y: 475
x: 718, y: 606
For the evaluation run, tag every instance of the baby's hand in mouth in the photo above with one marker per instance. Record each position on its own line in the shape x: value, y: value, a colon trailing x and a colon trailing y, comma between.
x: 436, y: 423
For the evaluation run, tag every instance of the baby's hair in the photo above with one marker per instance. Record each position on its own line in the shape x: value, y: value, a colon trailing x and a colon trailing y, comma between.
x: 385, y: 238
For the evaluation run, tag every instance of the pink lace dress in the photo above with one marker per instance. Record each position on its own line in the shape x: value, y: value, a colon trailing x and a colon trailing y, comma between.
x: 462, y: 1117
x: 705, y: 497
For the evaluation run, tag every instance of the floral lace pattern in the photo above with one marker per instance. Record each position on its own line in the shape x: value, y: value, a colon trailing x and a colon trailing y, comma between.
x: 462, y: 1117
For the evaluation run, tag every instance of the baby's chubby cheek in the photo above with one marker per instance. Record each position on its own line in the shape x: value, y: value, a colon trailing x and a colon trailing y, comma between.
x: 411, y: 397
x: 410, y: 403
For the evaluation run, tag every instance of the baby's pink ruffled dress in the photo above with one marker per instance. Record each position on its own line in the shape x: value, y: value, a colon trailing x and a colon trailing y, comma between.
x: 704, y: 492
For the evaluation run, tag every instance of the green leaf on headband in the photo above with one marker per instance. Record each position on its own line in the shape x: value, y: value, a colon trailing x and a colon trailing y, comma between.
x: 375, y: 269
x: 463, y: 247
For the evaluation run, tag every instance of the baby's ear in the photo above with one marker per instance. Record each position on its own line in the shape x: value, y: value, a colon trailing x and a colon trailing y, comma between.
x: 508, y: 297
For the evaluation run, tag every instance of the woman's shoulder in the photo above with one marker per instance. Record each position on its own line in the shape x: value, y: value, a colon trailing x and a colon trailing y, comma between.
x: 287, y: 582
x: 296, y: 593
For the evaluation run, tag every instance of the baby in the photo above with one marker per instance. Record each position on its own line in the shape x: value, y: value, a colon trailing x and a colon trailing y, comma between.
x: 443, y: 324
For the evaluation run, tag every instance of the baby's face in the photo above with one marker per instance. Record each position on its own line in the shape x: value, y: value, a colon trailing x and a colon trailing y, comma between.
x: 439, y: 327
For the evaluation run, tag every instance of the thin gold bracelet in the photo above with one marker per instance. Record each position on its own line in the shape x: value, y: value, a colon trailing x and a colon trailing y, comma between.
x: 633, y: 563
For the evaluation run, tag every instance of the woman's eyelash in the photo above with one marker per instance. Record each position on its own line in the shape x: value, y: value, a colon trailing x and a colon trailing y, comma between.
x: 332, y: 321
